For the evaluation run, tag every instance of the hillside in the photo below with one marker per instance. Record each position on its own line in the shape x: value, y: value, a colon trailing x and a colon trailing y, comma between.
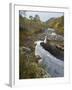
x: 57, y: 24
x: 29, y: 30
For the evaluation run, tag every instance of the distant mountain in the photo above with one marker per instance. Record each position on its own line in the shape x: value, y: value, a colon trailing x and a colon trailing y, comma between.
x: 57, y: 24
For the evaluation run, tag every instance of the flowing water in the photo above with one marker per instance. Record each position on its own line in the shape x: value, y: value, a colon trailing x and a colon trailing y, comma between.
x: 54, y: 66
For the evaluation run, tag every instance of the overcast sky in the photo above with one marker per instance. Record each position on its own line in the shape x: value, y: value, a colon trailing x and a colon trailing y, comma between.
x: 44, y: 15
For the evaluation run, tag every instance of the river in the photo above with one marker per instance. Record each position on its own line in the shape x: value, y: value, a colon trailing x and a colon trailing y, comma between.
x: 54, y: 66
